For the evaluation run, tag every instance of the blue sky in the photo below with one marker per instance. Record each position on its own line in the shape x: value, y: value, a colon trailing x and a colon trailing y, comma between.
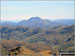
x: 23, y: 10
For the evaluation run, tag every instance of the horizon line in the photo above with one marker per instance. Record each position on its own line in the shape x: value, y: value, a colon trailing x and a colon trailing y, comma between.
x: 40, y: 18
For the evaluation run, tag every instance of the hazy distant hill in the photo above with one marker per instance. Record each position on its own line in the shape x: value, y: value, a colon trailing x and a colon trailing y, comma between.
x: 7, y: 23
x: 35, y: 22
x: 66, y: 21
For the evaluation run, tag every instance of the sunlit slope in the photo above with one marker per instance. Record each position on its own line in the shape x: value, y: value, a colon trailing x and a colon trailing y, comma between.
x: 60, y: 38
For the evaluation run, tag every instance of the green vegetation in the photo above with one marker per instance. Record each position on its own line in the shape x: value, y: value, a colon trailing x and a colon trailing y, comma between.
x: 55, y: 39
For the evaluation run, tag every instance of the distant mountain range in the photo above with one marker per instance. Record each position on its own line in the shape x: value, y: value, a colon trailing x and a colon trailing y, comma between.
x: 66, y: 21
x: 39, y: 22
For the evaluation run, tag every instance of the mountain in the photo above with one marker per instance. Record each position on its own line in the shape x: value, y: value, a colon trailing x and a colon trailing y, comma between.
x: 44, y: 23
x: 66, y: 21
x: 37, y: 36
x: 32, y: 21
x: 37, y: 22
x: 7, y: 23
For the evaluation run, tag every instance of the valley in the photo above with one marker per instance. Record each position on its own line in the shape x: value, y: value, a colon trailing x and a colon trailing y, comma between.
x: 21, y: 40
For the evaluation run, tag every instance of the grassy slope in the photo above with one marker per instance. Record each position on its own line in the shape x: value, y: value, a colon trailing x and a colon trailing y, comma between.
x: 59, y: 38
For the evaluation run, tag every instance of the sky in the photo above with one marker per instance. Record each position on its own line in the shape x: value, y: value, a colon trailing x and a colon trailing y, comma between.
x: 23, y: 10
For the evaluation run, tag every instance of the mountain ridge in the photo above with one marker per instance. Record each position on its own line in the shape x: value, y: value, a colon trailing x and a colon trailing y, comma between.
x: 39, y: 22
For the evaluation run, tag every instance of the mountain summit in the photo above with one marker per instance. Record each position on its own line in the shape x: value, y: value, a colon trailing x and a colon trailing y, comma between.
x: 35, y: 19
x: 35, y: 22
